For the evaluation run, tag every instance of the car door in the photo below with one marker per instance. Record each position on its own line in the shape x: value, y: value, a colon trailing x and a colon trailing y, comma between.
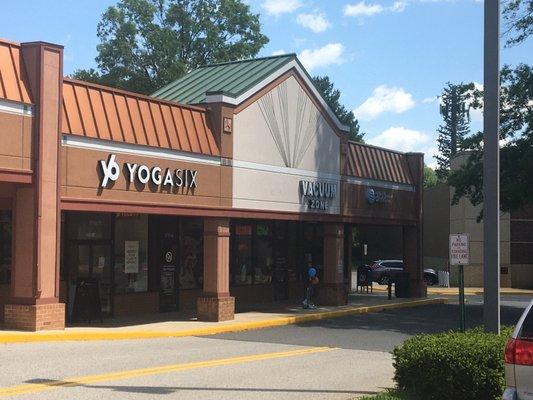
x: 395, y: 267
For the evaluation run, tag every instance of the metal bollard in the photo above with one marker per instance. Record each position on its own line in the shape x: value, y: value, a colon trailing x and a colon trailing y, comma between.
x: 389, y: 290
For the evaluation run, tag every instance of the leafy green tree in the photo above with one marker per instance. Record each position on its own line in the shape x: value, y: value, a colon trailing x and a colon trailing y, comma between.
x: 430, y: 177
x: 456, y: 124
x: 516, y: 153
x: 145, y: 44
x: 332, y: 97
x: 518, y: 15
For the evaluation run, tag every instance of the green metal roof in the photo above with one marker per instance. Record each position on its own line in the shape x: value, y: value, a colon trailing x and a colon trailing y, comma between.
x: 231, y: 79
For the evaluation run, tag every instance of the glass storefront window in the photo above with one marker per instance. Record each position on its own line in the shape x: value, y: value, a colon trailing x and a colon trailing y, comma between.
x: 5, y: 246
x: 241, y: 270
x: 191, y: 268
x: 275, y: 252
x: 88, y: 226
x: 131, y: 253
x: 264, y: 258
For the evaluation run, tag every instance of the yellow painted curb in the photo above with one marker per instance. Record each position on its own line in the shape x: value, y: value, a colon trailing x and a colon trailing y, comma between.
x: 455, y: 292
x: 104, y: 334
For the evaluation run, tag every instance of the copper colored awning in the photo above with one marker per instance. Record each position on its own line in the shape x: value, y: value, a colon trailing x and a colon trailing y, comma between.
x: 101, y: 112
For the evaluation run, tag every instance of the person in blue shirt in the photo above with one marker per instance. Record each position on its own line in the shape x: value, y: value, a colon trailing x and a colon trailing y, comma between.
x: 312, y: 281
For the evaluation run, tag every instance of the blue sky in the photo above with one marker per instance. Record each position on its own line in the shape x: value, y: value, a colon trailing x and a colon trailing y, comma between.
x: 390, y: 59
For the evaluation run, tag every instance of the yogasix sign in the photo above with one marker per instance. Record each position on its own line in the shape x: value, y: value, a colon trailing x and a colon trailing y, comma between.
x: 139, y: 172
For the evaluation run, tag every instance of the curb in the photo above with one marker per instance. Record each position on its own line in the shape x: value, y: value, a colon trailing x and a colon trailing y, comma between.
x: 236, y: 327
x: 470, y: 292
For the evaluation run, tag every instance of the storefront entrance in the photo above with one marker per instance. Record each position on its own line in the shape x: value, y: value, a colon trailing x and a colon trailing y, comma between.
x: 167, y: 245
x: 88, y: 253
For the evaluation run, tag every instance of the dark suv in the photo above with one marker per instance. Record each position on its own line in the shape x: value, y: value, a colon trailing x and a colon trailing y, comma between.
x: 385, y: 271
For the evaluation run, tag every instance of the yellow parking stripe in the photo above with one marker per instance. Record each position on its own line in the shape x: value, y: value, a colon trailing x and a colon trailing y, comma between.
x: 114, y: 376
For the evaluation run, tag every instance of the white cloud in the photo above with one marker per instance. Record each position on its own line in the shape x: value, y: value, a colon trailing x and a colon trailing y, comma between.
x: 363, y: 9
x: 279, y: 52
x: 385, y: 99
x: 322, y: 57
x: 278, y: 7
x: 429, y: 100
x: 398, y: 6
x: 316, y: 22
x: 404, y: 139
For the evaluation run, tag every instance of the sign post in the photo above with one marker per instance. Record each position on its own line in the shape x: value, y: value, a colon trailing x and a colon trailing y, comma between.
x: 460, y: 256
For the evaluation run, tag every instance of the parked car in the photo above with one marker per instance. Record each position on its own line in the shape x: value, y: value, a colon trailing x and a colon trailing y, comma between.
x: 385, y: 271
x: 519, y: 359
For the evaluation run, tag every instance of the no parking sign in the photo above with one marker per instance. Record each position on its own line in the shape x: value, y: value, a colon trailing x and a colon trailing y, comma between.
x: 459, y: 249
x: 460, y: 255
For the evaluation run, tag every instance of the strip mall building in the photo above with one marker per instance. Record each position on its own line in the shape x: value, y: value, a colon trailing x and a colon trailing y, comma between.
x: 219, y: 189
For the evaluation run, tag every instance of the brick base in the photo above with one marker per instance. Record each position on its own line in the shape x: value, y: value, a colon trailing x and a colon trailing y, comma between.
x: 34, y: 317
x: 332, y: 295
x: 215, y: 309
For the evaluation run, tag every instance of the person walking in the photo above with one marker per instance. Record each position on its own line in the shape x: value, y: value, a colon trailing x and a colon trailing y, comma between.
x: 312, y: 281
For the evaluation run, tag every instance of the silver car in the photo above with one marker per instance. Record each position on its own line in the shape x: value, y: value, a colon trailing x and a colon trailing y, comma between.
x: 519, y: 359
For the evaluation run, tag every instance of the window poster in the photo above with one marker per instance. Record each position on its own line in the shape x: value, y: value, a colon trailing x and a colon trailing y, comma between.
x: 131, y: 257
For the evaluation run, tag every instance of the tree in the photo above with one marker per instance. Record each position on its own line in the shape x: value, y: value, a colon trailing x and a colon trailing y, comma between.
x: 145, y: 44
x: 332, y: 97
x: 516, y: 153
x: 430, y: 177
x: 518, y: 15
x: 456, y: 126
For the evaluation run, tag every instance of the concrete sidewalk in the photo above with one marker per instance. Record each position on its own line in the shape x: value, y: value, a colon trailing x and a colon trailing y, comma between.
x: 469, y: 291
x: 178, y: 325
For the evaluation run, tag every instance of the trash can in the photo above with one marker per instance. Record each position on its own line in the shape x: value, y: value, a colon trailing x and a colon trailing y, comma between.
x: 402, y: 288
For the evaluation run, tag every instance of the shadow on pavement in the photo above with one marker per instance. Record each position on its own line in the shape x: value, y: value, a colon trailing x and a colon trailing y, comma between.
x: 380, y: 331
x: 168, y: 390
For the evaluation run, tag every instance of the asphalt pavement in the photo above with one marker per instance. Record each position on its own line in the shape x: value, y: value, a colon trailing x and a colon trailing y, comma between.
x: 339, y: 358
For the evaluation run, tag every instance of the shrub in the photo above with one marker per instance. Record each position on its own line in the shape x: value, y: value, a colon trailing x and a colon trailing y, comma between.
x: 388, y: 395
x: 452, y: 365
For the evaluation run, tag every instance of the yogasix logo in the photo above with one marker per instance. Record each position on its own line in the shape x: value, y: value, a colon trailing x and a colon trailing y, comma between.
x: 143, y: 174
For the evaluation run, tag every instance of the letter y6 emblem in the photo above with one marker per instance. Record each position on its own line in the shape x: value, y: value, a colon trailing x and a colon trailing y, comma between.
x: 110, y: 169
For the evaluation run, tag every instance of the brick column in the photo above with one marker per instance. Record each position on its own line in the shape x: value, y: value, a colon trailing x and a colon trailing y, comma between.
x: 216, y: 304
x: 34, y: 298
x: 332, y: 290
x: 413, y: 235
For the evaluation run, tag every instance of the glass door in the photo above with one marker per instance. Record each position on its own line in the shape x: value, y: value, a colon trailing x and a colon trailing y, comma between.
x: 167, y: 249
x: 101, y: 271
x: 89, y: 263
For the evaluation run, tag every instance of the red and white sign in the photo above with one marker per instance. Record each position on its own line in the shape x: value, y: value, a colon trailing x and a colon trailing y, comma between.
x: 459, y: 249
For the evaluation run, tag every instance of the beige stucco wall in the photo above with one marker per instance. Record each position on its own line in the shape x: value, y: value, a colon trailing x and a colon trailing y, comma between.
x: 279, y: 140
x: 463, y: 219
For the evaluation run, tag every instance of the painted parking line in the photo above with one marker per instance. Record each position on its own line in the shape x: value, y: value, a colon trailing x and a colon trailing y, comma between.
x: 165, y: 369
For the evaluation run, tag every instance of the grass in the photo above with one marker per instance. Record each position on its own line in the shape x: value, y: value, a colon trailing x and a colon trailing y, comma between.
x: 388, y: 395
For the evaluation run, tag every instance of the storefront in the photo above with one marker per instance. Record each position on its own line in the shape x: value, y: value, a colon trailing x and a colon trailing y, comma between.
x: 218, y: 191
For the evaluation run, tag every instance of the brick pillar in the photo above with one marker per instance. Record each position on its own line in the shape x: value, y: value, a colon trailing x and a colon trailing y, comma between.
x: 412, y: 259
x: 216, y: 304
x: 34, y: 297
x: 332, y: 291
x: 413, y: 235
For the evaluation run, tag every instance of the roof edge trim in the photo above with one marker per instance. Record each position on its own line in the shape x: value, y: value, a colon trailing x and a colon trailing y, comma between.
x: 293, y: 64
x: 15, y: 107
x: 69, y: 140
x: 133, y: 94
x: 351, y: 142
